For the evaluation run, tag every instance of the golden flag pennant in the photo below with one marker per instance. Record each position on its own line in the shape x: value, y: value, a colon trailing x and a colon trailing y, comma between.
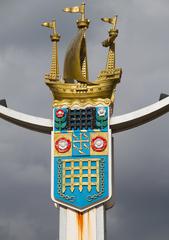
x: 75, y: 9
x: 47, y: 24
x: 112, y: 20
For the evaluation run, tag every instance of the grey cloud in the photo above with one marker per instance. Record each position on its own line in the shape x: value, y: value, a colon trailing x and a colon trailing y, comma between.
x: 141, y: 155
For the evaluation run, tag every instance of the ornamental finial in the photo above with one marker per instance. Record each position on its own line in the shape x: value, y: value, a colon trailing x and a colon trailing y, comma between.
x: 112, y: 21
x: 55, y: 37
x: 82, y: 23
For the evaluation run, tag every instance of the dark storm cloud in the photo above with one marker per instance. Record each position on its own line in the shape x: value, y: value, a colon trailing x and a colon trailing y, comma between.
x: 141, y: 155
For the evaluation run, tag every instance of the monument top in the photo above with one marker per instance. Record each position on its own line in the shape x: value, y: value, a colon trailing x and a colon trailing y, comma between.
x: 75, y: 86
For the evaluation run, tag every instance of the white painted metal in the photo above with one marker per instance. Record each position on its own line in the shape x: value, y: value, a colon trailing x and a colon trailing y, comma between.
x: 100, y: 223
x: 27, y: 121
x: 82, y: 226
x: 62, y: 223
x: 118, y: 123
x: 139, y: 117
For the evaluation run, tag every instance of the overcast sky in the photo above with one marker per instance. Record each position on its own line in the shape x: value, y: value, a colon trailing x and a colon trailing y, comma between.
x: 141, y: 155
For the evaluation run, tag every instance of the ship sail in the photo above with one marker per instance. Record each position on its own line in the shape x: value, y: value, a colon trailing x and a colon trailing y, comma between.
x: 75, y: 65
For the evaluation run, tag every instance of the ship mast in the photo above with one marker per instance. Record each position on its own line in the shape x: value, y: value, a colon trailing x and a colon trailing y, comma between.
x: 55, y: 37
x: 82, y: 24
x: 110, y: 42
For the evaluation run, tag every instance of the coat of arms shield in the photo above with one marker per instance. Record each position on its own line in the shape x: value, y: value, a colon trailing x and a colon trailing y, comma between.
x: 81, y: 157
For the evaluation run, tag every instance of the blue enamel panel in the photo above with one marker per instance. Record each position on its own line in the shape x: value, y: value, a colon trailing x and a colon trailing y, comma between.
x: 76, y: 197
x: 81, y: 143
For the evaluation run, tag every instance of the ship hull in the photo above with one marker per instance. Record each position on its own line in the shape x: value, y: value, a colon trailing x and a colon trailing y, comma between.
x: 102, y: 88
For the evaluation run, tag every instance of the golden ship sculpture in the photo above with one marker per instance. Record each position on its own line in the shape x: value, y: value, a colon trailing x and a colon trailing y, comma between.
x: 75, y: 87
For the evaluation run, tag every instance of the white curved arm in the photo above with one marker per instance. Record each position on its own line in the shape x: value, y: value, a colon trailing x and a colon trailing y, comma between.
x: 118, y: 123
x: 27, y: 121
x: 139, y: 117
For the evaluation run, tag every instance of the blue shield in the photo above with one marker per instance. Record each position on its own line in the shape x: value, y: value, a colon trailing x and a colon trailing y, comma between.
x: 81, y: 159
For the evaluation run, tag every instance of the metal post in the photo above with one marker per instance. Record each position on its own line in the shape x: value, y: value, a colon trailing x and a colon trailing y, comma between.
x: 82, y: 226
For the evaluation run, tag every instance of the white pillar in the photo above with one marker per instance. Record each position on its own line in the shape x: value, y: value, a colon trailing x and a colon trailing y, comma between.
x: 82, y: 226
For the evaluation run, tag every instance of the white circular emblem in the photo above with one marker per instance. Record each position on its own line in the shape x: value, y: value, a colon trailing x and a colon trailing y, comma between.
x: 63, y: 144
x: 101, y: 111
x: 98, y: 143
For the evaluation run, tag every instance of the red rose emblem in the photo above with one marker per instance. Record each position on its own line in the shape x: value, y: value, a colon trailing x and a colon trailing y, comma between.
x: 60, y: 113
x: 63, y: 145
x: 99, y: 144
